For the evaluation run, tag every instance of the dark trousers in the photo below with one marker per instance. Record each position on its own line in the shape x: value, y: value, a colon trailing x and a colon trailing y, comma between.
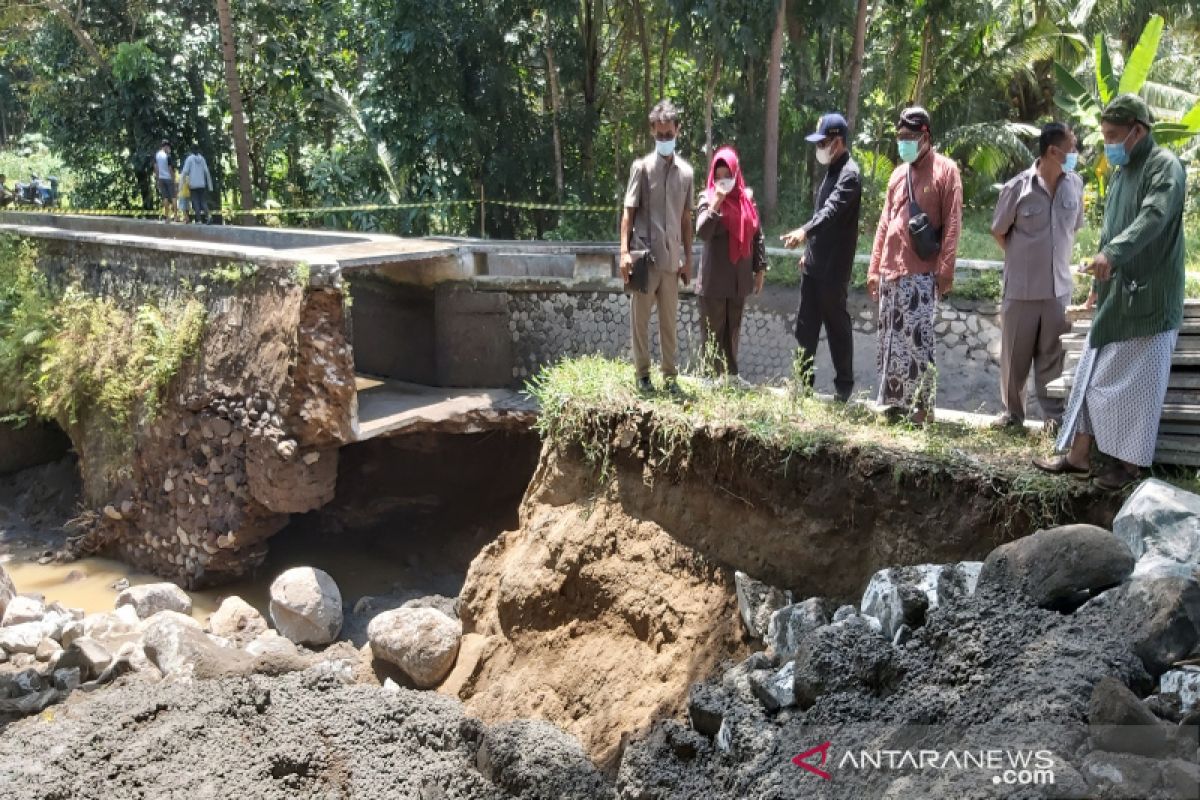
x: 823, y: 302
x: 720, y: 329
x: 200, y: 204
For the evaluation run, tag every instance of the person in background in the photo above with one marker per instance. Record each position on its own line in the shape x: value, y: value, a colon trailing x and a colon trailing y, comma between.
x: 658, y: 212
x: 185, y: 198
x: 1035, y: 222
x: 1138, y: 279
x: 830, y: 238
x: 733, y: 263
x: 6, y: 197
x: 200, y: 182
x: 907, y: 285
x: 164, y: 177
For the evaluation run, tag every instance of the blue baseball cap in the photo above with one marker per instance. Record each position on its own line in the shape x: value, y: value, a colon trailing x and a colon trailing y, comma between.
x: 829, y: 125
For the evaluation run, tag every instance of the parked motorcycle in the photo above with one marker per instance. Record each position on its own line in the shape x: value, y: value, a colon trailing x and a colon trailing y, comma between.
x: 40, y: 192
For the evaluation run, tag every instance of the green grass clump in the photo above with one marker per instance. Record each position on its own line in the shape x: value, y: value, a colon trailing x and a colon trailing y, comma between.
x: 64, y: 352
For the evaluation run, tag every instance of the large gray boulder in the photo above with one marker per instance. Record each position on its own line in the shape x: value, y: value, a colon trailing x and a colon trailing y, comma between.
x: 850, y: 656
x: 900, y: 596
x: 1059, y: 563
x: 151, y: 598
x: 422, y: 642
x: 790, y: 624
x: 306, y: 606
x: 1160, y: 606
x: 8, y: 590
x: 757, y: 602
x: 1163, y: 520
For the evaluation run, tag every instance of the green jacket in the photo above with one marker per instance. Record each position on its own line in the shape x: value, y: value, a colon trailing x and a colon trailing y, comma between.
x: 1142, y: 237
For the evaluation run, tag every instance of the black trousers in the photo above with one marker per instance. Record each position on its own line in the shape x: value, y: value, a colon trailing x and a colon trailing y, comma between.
x: 823, y: 302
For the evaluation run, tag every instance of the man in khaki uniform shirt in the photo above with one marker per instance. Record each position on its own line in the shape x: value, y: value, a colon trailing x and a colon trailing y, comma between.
x: 1036, y: 219
x: 658, y: 212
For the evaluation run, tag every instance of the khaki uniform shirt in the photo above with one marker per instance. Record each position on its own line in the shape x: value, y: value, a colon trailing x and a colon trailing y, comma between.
x: 659, y: 220
x: 1040, y: 229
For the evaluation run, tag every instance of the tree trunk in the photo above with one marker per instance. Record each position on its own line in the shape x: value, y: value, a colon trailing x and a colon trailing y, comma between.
x: 856, y: 66
x: 710, y: 92
x: 591, y: 16
x: 81, y: 36
x: 664, y: 57
x: 771, y: 139
x: 926, y: 62
x: 639, y: 17
x: 241, y: 141
x: 555, y: 105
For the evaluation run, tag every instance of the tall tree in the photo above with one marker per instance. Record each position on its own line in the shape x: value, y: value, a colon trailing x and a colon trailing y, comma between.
x: 771, y: 138
x: 241, y: 141
x: 856, y: 64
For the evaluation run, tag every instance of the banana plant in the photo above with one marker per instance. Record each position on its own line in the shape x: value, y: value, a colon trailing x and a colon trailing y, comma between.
x: 1086, y: 105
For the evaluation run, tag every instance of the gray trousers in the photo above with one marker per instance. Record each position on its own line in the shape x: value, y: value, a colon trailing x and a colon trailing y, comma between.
x: 662, y: 290
x: 1030, y: 337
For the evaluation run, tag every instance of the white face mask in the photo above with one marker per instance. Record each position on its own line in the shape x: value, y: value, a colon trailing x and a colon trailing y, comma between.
x: 724, y: 185
x: 825, y: 154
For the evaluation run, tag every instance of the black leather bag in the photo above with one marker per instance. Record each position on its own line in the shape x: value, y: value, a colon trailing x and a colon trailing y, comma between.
x: 643, y: 255
x: 926, y: 239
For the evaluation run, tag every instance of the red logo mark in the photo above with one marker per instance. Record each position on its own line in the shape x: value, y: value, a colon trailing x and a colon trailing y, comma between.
x: 801, y: 760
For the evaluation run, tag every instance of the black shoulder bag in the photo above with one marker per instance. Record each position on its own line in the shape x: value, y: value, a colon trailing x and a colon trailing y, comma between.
x: 926, y: 239
x: 643, y: 257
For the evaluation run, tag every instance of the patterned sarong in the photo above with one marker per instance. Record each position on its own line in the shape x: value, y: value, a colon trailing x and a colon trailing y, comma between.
x: 907, y: 307
x: 1118, y: 395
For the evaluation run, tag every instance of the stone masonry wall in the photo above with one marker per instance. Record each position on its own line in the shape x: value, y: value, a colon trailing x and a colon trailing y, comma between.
x: 249, y: 429
x: 550, y: 323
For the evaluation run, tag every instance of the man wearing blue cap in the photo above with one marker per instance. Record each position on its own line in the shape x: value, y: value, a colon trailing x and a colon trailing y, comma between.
x: 830, y: 238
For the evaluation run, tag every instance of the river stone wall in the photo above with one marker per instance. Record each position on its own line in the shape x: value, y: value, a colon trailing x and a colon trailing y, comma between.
x: 549, y: 320
x: 249, y: 429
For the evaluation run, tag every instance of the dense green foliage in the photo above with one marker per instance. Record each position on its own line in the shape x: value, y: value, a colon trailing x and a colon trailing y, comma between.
x: 64, y: 352
x: 383, y: 101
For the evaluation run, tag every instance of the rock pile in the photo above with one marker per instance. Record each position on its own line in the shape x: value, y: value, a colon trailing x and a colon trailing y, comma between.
x: 1076, y: 639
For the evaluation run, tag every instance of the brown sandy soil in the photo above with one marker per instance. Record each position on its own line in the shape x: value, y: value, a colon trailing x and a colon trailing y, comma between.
x: 589, y: 618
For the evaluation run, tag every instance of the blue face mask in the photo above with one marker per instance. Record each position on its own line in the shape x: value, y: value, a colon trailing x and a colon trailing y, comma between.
x: 665, y: 149
x: 1116, y: 154
x: 909, y: 149
x: 1071, y: 163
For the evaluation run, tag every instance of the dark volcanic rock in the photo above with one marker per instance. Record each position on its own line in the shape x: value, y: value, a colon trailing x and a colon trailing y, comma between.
x: 1055, y: 564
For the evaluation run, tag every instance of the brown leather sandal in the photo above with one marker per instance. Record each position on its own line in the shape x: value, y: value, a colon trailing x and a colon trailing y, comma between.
x: 1116, y: 479
x: 1059, y: 465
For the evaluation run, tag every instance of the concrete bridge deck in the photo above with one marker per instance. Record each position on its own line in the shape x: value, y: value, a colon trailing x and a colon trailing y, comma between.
x: 387, y: 407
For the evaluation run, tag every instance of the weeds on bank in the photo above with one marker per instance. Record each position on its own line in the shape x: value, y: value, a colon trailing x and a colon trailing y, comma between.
x: 791, y: 420
x: 64, y: 352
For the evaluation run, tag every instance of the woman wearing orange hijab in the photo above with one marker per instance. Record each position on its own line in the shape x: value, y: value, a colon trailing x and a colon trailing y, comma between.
x: 734, y: 261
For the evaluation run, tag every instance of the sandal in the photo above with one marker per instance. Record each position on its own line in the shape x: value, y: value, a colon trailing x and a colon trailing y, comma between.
x: 1059, y: 465
x: 1116, y: 479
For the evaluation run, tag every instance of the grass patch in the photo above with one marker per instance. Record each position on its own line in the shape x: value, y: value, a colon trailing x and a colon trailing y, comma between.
x: 68, y: 356
x: 575, y: 393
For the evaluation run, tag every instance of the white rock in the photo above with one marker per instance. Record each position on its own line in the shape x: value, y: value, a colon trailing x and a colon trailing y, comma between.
x: 26, y: 637
x: 1184, y: 682
x: 777, y: 690
x: 390, y: 686
x: 885, y: 600
x: 423, y: 642
x: 88, y: 655
x: 23, y: 609
x: 270, y: 643
x: 958, y: 327
x: 790, y: 624
x: 148, y: 599
x: 757, y: 602
x: 306, y: 606
x: 174, y: 643
x: 1161, y: 519
x: 8, y: 590
x: 46, y: 649
x: 237, y: 620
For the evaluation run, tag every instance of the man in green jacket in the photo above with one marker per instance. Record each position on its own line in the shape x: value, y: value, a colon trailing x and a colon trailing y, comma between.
x: 1138, y: 277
